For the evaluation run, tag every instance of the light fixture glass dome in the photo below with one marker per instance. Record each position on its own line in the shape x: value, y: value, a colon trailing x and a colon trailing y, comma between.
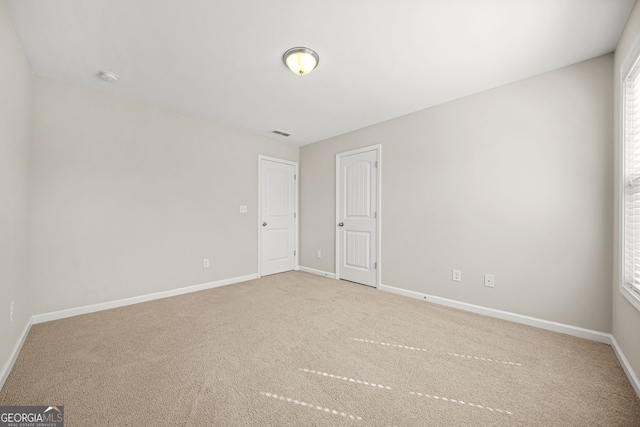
x: 301, y: 60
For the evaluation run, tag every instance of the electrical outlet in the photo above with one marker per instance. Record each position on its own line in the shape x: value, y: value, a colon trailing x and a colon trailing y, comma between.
x: 243, y: 208
x: 489, y: 280
x: 205, y: 263
x: 11, y: 310
x: 318, y: 253
x: 456, y: 275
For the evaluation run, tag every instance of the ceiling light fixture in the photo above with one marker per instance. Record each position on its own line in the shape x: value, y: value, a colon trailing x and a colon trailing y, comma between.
x: 108, y: 76
x: 301, y: 60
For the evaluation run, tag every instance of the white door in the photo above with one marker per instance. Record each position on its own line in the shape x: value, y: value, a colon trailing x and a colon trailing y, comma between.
x: 277, y: 216
x: 357, y: 216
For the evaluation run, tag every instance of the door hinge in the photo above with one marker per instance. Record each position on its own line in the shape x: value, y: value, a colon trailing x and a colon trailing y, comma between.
x: 376, y: 163
x: 375, y: 214
x: 375, y: 265
x: 294, y: 253
x: 295, y: 215
x: 295, y: 176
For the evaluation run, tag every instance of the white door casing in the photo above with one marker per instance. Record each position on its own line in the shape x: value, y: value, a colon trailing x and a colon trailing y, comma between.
x: 358, y: 216
x: 278, y: 222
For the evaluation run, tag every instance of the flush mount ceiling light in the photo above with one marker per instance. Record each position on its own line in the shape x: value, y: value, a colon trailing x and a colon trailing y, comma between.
x: 301, y: 60
x: 108, y: 76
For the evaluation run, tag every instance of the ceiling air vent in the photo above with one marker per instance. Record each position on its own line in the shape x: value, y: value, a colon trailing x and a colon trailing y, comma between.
x: 281, y: 132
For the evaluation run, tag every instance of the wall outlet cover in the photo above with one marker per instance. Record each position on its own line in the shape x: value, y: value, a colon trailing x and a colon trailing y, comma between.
x: 489, y: 280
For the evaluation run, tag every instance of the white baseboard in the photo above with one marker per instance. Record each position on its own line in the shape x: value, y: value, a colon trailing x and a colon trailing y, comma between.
x: 633, y: 378
x: 8, y: 366
x: 318, y: 272
x: 518, y: 318
x: 55, y: 315
x: 531, y: 321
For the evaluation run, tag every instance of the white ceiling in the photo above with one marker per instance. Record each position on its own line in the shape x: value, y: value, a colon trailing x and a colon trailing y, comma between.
x: 220, y: 60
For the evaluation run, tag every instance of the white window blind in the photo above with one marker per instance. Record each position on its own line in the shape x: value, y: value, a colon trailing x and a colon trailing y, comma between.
x: 632, y: 180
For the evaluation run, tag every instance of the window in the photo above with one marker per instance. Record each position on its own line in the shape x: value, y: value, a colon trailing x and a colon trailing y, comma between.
x: 630, y: 280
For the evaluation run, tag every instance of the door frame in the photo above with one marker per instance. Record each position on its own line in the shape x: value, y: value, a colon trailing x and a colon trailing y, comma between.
x: 296, y: 209
x: 378, y: 242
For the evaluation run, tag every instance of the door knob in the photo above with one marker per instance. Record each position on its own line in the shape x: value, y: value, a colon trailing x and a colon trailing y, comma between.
x: 341, y: 224
x: 264, y: 224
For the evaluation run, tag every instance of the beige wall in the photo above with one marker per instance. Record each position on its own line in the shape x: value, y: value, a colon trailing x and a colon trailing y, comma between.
x: 128, y: 199
x: 515, y: 181
x: 626, y: 319
x: 15, y: 111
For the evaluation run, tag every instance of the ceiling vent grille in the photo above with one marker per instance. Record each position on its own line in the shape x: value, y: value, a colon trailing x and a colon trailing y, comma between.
x: 281, y: 132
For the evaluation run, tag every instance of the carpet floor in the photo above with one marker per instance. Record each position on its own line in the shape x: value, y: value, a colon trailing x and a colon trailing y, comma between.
x: 296, y: 349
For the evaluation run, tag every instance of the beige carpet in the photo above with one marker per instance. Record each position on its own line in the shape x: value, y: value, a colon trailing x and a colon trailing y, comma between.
x: 300, y: 350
